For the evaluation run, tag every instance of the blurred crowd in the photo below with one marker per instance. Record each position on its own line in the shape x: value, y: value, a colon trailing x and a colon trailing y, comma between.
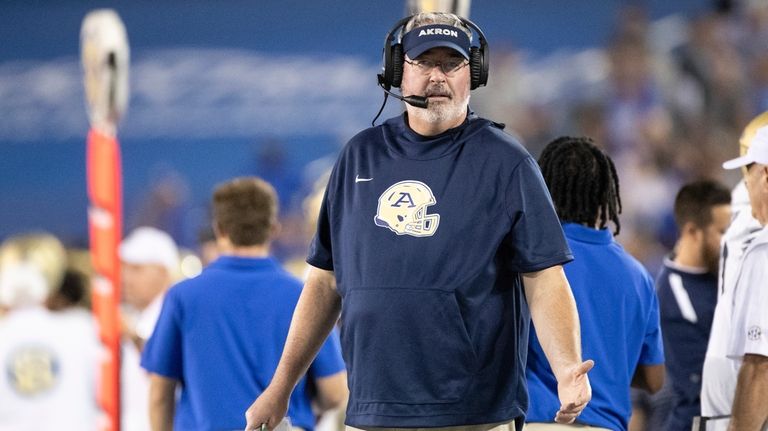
x: 49, y: 340
x: 666, y: 99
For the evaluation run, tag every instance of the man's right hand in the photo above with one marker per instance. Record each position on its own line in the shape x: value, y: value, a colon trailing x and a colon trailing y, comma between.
x: 269, y: 408
x: 574, y: 392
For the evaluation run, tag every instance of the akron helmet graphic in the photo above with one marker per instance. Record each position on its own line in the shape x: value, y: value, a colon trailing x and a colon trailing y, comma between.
x: 403, y: 209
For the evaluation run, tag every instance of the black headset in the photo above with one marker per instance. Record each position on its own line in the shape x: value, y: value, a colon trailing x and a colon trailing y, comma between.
x: 392, y: 72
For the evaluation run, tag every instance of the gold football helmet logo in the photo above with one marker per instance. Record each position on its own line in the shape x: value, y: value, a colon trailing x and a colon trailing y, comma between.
x: 403, y: 209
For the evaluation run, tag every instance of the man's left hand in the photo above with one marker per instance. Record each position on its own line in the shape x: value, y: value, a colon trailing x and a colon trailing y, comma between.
x: 574, y: 392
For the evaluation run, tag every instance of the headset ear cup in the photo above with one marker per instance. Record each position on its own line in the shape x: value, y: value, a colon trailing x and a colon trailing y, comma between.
x: 475, y: 67
x: 397, y: 64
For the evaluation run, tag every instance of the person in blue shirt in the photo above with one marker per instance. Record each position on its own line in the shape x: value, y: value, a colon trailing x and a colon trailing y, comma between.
x: 437, y: 243
x: 220, y: 335
x: 614, y: 293
x: 687, y: 290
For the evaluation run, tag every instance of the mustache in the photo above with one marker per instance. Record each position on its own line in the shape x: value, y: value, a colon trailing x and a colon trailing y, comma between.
x: 437, y: 90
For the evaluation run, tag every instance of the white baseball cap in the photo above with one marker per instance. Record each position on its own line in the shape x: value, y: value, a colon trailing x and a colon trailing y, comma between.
x: 757, y: 152
x: 148, y: 245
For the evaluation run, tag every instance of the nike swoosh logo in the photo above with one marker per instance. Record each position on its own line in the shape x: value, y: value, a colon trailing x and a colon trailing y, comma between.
x: 360, y: 180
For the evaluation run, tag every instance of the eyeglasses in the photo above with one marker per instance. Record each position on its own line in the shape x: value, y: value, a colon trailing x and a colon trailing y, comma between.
x: 448, y: 67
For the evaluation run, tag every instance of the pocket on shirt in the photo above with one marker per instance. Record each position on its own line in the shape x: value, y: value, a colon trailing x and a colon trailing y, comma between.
x: 406, y: 346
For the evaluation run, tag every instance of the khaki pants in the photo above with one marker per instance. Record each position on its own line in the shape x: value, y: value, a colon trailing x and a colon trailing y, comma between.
x: 509, y: 426
x: 539, y: 426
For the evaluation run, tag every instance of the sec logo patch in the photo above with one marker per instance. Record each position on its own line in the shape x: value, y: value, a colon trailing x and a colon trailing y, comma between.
x: 754, y: 333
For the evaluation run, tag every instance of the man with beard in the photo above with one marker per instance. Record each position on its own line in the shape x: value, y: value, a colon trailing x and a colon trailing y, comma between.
x: 687, y: 290
x: 440, y: 242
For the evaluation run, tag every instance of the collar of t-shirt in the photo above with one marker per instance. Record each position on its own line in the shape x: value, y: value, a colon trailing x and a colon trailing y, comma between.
x: 669, y: 262
x: 583, y: 233
x: 238, y: 262
x: 402, y: 141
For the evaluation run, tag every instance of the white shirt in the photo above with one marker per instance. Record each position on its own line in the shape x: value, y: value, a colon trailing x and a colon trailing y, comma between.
x: 49, y: 363
x: 134, y: 380
x: 750, y: 317
x: 721, y: 369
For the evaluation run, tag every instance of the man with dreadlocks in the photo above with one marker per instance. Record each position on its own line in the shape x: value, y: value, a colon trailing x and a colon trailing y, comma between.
x: 614, y: 293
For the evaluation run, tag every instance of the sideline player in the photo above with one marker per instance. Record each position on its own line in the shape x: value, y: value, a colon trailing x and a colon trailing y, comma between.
x: 687, y: 290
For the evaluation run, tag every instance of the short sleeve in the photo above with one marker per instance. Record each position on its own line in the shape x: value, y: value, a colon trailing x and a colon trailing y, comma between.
x: 163, y: 352
x: 536, y: 240
x: 750, y: 330
x: 652, y: 352
x: 321, y: 250
x: 328, y: 360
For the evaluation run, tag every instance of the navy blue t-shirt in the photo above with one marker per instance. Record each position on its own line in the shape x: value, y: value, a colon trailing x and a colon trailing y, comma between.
x: 427, y: 237
x: 687, y: 299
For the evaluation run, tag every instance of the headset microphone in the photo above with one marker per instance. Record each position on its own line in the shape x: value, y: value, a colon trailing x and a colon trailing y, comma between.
x: 417, y: 101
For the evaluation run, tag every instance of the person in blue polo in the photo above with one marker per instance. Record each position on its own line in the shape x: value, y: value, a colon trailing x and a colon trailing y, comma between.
x: 437, y: 243
x: 220, y: 335
x: 614, y: 293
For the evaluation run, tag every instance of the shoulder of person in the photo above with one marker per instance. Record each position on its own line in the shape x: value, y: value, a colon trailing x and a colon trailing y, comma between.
x: 497, y: 137
x: 634, y: 266
x: 369, y: 135
x: 759, y: 244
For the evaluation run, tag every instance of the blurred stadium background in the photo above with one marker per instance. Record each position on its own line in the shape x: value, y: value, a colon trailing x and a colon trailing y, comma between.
x: 274, y: 88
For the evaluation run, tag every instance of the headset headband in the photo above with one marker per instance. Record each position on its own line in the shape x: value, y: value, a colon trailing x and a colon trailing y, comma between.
x: 392, y: 72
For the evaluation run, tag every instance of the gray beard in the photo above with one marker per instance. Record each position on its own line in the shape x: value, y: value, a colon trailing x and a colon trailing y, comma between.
x: 439, y: 112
